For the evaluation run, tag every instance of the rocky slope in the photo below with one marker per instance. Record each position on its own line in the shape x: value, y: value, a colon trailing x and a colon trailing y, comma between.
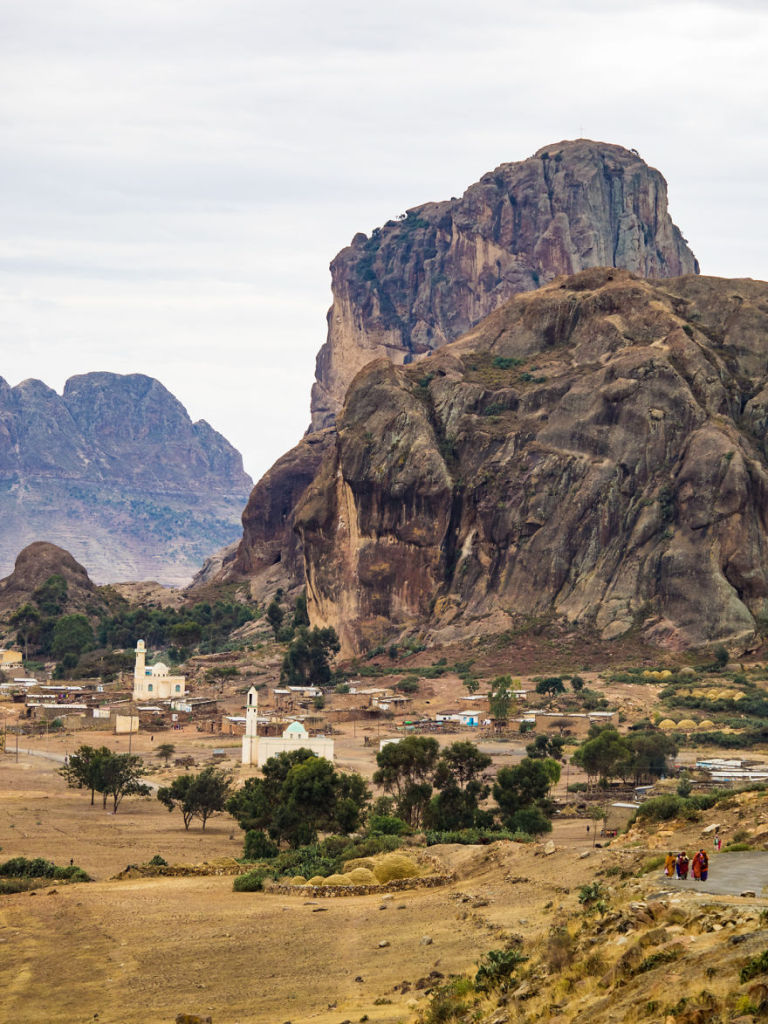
x: 115, y: 471
x: 427, y: 278
x: 594, y: 450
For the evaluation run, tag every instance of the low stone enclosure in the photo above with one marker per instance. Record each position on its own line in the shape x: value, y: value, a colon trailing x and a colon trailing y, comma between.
x: 332, y: 891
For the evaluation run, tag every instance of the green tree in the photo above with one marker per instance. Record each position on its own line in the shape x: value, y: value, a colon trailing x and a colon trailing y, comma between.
x: 521, y: 793
x: 51, y: 596
x: 198, y: 796
x: 84, y: 769
x: 550, y: 685
x: 405, y: 770
x: 122, y: 777
x: 166, y: 751
x: 307, y: 660
x: 500, y: 697
x: 72, y: 634
x: 26, y: 619
x: 604, y: 754
x: 275, y: 616
x: 299, y: 795
x: 577, y: 684
x: 300, y: 613
x: 546, y: 746
x: 186, y: 634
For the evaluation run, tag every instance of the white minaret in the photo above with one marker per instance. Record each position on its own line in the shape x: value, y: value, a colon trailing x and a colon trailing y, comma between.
x: 251, y: 738
x: 139, y: 672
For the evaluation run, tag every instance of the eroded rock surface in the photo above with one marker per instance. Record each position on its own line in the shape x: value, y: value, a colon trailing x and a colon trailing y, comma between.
x: 595, y: 449
x: 427, y: 278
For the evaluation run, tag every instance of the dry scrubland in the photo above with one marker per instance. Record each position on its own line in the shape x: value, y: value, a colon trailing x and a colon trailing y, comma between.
x: 145, y: 949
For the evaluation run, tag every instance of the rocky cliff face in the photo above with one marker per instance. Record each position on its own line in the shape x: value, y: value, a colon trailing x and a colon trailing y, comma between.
x: 595, y: 450
x: 115, y: 471
x: 429, y: 277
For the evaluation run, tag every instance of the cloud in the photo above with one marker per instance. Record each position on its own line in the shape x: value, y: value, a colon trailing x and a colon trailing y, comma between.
x: 177, y: 176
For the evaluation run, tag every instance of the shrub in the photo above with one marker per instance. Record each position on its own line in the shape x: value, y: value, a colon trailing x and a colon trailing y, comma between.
x: 258, y: 847
x: 388, y: 825
x: 738, y: 847
x: 475, y: 836
x: 158, y: 861
x: 651, y: 864
x: 757, y: 965
x: 496, y: 969
x: 252, y: 881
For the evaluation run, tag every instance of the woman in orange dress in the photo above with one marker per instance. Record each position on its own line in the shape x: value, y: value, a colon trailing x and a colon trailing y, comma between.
x: 696, y: 867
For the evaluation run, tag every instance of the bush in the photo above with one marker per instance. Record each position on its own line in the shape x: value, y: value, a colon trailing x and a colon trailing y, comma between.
x: 258, y: 847
x: 737, y: 847
x: 252, y: 881
x: 757, y: 965
x: 158, y: 861
x: 388, y: 825
x: 651, y: 864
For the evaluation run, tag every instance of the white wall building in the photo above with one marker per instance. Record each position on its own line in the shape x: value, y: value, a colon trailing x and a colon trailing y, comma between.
x: 258, y: 749
x: 152, y: 682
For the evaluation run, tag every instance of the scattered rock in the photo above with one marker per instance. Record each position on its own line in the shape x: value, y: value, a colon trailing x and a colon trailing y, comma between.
x: 584, y: 853
x: 426, y: 940
x: 383, y: 944
x: 747, y: 892
x: 549, y: 847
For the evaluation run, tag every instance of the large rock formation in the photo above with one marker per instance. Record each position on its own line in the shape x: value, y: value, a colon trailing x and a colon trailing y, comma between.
x: 595, y: 450
x: 115, y: 471
x: 427, y: 278
x: 36, y: 564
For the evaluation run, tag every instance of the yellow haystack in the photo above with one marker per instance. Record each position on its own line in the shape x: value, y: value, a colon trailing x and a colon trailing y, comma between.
x: 361, y: 876
x: 359, y: 862
x: 395, y: 866
x: 686, y: 723
x: 706, y: 724
x: 667, y: 724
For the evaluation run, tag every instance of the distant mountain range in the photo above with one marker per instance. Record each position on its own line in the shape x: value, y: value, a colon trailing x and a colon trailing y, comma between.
x: 115, y: 471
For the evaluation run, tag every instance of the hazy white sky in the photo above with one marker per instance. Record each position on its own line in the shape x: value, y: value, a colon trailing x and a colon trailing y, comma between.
x: 176, y: 176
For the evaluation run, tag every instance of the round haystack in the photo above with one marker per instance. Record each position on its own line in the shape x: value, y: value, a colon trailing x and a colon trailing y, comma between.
x: 359, y: 862
x: 698, y: 692
x: 686, y: 723
x: 739, y: 696
x: 665, y: 674
x: 706, y: 724
x: 361, y: 876
x: 687, y: 673
x: 298, y: 880
x: 667, y: 724
x: 336, y: 880
x: 316, y: 880
x: 395, y: 866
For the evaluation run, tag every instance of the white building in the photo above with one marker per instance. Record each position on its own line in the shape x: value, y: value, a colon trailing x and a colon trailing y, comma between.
x: 258, y: 749
x: 152, y: 682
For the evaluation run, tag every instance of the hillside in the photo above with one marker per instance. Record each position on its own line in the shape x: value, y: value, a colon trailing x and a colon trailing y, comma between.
x: 115, y: 471
x: 594, y: 450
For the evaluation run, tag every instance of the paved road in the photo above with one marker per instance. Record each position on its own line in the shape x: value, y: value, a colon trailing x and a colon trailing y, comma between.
x: 729, y: 873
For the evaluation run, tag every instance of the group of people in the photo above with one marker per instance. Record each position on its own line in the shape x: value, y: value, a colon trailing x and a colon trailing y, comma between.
x: 677, y: 866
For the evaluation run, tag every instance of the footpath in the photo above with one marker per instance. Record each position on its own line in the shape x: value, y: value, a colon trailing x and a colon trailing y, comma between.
x: 729, y: 873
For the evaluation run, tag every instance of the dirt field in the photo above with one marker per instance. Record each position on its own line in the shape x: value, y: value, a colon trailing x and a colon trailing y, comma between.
x: 144, y: 950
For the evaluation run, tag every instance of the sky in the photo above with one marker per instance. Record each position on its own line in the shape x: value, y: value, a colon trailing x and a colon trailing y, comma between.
x: 177, y: 176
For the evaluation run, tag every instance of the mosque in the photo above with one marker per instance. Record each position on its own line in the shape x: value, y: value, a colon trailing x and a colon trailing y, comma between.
x: 258, y: 749
x: 152, y: 682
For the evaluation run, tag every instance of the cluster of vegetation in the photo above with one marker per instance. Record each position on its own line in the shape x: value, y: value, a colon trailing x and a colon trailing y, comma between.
x: 307, y: 660
x: 442, y: 790
x: 298, y: 796
x: 641, y: 756
x: 672, y: 806
x: 21, y: 874
x: 113, y: 776
x: 43, y: 629
x: 198, y: 796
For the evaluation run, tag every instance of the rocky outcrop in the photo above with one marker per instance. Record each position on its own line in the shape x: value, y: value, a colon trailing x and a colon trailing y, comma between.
x: 593, y: 450
x: 269, y: 554
x: 115, y: 471
x: 34, y: 566
x: 428, y: 277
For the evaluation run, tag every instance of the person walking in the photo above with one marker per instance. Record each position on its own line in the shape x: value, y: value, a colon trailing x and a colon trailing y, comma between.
x: 696, y: 867
x: 669, y: 865
x: 704, y: 864
x: 682, y: 866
